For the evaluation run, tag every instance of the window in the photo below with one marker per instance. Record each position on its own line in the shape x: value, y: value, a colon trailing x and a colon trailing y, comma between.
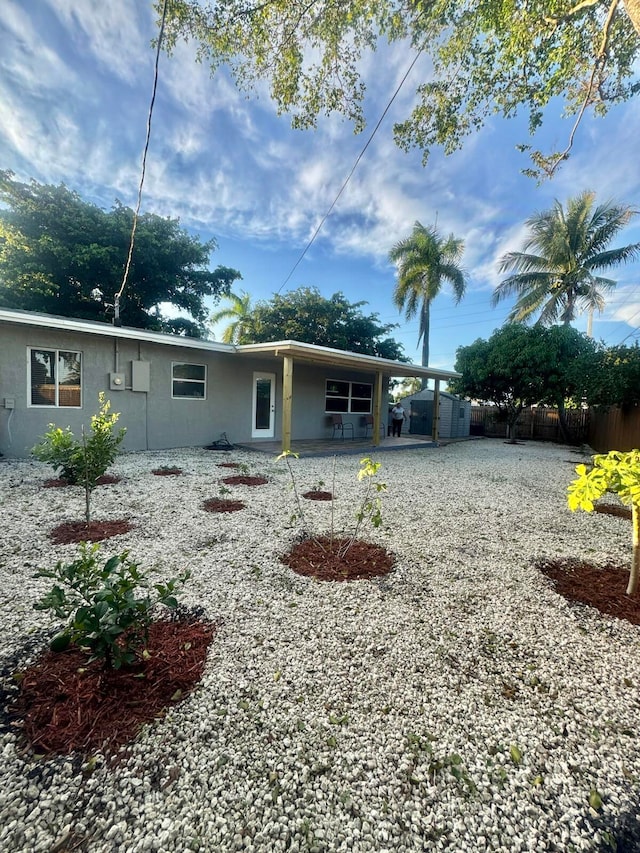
x: 55, y: 378
x: 188, y: 381
x: 348, y: 396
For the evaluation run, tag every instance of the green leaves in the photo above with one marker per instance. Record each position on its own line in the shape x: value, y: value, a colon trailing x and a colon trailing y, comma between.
x: 57, y: 246
x: 486, y: 58
x: 305, y: 315
x: 515, y: 754
x: 83, y: 462
x: 104, y: 606
x: 615, y: 472
x: 619, y: 473
x: 595, y: 800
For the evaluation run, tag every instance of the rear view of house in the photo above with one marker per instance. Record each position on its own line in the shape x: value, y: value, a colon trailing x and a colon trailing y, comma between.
x: 181, y: 392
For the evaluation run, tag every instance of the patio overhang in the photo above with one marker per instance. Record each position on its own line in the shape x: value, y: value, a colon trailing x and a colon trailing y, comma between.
x: 342, y: 358
x: 383, y: 368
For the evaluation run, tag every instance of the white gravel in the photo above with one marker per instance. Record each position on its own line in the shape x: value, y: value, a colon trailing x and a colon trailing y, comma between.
x: 383, y: 715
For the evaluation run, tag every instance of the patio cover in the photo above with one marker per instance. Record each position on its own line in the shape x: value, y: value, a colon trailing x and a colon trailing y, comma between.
x: 291, y: 351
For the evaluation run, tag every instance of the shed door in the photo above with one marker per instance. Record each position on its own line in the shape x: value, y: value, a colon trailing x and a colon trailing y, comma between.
x: 421, y: 418
x: 264, y: 405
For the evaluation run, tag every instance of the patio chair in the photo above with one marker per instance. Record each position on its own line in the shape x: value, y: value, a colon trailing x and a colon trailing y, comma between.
x: 339, y: 426
x: 368, y: 425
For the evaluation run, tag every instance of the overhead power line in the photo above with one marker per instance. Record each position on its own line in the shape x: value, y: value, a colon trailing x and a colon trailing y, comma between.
x: 349, y: 176
x: 136, y: 212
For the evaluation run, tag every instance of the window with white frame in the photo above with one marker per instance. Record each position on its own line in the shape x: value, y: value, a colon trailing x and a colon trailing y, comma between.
x: 55, y: 378
x: 188, y: 381
x: 342, y: 396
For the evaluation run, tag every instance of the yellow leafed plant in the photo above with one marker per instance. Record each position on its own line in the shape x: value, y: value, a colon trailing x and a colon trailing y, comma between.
x: 616, y: 472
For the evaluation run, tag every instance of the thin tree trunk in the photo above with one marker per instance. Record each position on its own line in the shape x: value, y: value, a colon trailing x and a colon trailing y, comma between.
x: 87, y: 485
x: 634, y: 574
x: 562, y: 423
x: 426, y: 317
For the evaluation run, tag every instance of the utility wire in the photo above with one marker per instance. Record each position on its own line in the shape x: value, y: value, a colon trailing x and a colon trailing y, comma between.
x: 136, y: 213
x: 355, y: 166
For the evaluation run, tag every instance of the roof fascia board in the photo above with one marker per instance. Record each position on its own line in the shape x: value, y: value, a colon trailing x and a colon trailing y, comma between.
x: 68, y: 324
x: 327, y: 355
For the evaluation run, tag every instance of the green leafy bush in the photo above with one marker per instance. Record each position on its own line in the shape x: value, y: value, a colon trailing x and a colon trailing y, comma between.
x: 106, y: 612
x: 87, y: 458
x: 619, y: 473
x: 83, y: 461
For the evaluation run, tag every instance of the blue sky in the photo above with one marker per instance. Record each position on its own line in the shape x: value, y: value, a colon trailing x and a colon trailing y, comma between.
x: 75, y: 84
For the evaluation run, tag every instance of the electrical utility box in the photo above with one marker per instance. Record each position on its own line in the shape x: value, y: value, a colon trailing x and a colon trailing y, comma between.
x: 116, y: 381
x: 141, y: 376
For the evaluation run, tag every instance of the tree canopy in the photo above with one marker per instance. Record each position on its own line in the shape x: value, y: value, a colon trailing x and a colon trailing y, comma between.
x: 559, y: 278
x: 237, y: 312
x: 616, y: 381
x: 520, y: 366
x: 306, y: 316
x: 487, y: 58
x: 57, y: 251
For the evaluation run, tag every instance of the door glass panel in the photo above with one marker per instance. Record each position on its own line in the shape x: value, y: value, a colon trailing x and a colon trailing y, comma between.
x: 263, y: 403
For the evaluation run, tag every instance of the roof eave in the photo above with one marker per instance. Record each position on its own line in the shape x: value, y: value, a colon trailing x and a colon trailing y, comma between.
x: 328, y: 355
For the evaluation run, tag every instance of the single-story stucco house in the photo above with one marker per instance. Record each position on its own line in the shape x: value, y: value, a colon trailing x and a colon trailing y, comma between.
x: 183, y: 392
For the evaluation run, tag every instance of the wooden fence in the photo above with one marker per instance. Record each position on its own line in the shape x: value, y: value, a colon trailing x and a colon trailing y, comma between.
x: 602, y: 429
x: 614, y: 429
x: 536, y: 423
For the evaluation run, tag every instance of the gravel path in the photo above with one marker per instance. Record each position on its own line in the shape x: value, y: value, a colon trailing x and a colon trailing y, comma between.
x: 456, y: 704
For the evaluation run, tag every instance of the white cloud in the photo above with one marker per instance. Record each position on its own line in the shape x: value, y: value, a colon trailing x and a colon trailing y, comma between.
x: 116, y: 34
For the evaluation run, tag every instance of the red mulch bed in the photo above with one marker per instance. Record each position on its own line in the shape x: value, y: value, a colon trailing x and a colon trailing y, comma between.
x: 614, y: 509
x: 601, y: 587
x: 67, y: 705
x: 94, y: 531
x: 222, y: 505
x: 317, y: 495
x: 320, y: 558
x: 105, y: 480
x: 243, y: 480
x: 228, y: 464
x: 167, y: 472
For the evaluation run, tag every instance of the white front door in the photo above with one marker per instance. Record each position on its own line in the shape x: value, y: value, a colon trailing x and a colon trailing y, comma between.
x: 264, y: 405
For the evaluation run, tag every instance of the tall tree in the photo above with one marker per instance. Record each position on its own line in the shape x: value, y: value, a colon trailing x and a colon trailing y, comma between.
x: 520, y: 366
x: 558, y: 279
x: 304, y: 315
x: 58, y: 253
x: 238, y: 312
x: 425, y: 260
x: 486, y: 58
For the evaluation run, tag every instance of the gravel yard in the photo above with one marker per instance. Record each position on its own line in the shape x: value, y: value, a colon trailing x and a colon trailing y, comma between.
x: 457, y: 703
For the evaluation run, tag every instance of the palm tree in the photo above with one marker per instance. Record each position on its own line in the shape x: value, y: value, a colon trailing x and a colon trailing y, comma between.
x: 424, y: 260
x: 571, y: 246
x: 238, y: 313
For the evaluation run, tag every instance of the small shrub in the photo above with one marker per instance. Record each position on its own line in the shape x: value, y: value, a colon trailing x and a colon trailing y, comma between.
x: 83, y: 461
x: 370, y: 508
x: 105, y: 614
x: 619, y: 473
